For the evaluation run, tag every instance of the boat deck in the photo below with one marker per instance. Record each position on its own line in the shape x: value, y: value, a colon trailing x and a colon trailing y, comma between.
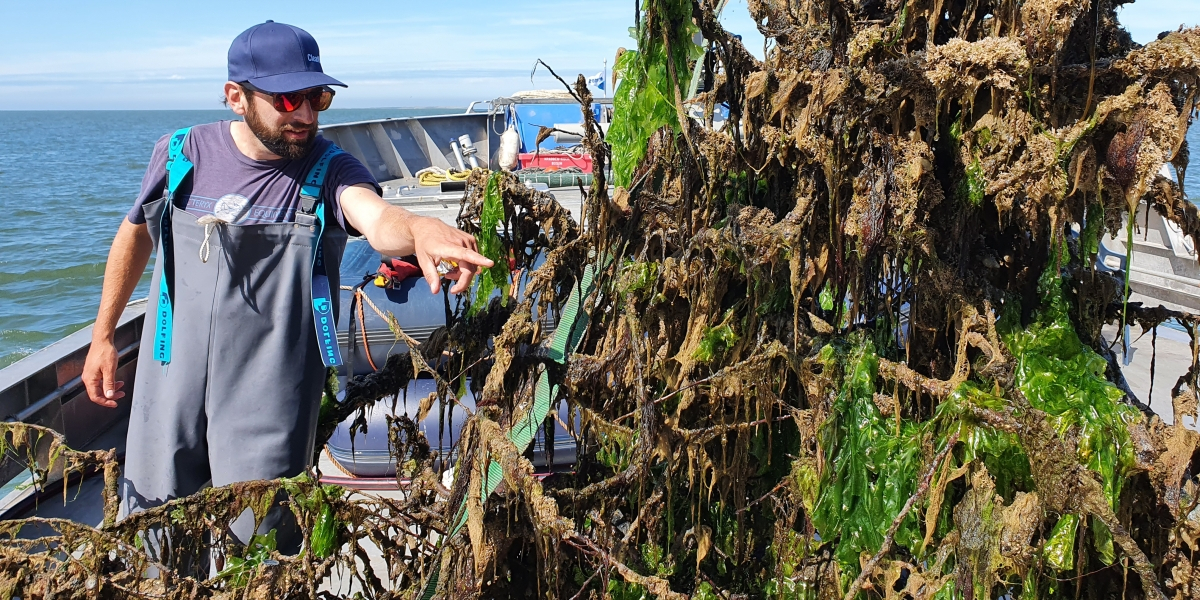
x: 1172, y: 356
x: 81, y: 501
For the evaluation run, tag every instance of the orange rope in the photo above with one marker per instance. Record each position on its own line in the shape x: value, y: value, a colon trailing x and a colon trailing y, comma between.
x: 338, y: 465
x: 362, y: 325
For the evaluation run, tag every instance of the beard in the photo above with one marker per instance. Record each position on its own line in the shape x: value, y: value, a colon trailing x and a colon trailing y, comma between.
x: 273, y: 137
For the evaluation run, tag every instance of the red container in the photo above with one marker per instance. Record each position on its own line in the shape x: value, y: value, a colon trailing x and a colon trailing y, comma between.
x: 553, y: 161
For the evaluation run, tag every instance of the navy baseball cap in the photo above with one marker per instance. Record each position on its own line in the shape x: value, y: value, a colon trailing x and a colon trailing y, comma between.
x: 278, y: 58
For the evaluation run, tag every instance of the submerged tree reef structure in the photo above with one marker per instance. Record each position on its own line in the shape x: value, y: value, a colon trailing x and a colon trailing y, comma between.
x: 849, y: 344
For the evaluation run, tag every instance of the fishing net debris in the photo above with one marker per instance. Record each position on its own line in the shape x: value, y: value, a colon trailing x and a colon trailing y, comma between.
x: 837, y: 332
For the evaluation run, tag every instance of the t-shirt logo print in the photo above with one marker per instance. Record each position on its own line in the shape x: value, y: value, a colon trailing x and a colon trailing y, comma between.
x: 230, y: 208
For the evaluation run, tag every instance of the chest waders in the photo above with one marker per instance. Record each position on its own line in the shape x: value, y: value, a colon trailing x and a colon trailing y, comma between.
x: 232, y: 367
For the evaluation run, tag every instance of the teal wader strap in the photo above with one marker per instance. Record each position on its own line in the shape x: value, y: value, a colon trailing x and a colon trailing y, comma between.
x: 322, y: 300
x: 178, y: 169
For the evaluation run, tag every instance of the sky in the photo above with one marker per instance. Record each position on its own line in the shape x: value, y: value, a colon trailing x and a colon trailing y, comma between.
x: 139, y: 54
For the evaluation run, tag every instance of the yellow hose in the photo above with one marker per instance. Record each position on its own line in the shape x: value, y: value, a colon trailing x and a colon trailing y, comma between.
x: 434, y: 175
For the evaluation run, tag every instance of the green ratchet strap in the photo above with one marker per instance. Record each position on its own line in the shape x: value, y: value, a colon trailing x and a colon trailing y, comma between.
x: 567, y: 337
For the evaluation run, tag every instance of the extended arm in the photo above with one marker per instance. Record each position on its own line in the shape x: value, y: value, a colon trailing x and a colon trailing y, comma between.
x: 126, y: 262
x: 396, y: 232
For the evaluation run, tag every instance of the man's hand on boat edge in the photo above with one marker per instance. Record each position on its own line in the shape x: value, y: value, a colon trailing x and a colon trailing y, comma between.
x: 99, y: 375
x: 127, y: 260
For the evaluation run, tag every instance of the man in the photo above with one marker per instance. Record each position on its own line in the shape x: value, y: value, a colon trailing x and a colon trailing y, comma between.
x: 231, y: 369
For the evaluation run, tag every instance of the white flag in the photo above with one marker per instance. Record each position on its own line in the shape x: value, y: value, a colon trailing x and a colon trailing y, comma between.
x: 597, y: 80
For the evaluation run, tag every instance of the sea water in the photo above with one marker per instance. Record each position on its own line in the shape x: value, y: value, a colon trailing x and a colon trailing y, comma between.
x: 67, y: 178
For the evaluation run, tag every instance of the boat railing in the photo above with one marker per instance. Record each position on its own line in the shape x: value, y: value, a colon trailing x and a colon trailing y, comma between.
x: 471, y: 107
x: 46, y: 388
x: 400, y: 148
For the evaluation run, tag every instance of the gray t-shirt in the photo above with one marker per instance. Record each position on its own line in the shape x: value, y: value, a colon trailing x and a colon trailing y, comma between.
x: 245, y: 191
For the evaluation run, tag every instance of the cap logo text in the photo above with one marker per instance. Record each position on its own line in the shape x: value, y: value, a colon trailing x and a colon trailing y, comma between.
x: 314, y: 58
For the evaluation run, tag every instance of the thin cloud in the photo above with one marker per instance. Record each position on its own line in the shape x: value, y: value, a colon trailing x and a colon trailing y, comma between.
x: 203, y: 55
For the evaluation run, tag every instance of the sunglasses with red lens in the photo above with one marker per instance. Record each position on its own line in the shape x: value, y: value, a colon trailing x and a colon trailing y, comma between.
x: 319, y: 98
